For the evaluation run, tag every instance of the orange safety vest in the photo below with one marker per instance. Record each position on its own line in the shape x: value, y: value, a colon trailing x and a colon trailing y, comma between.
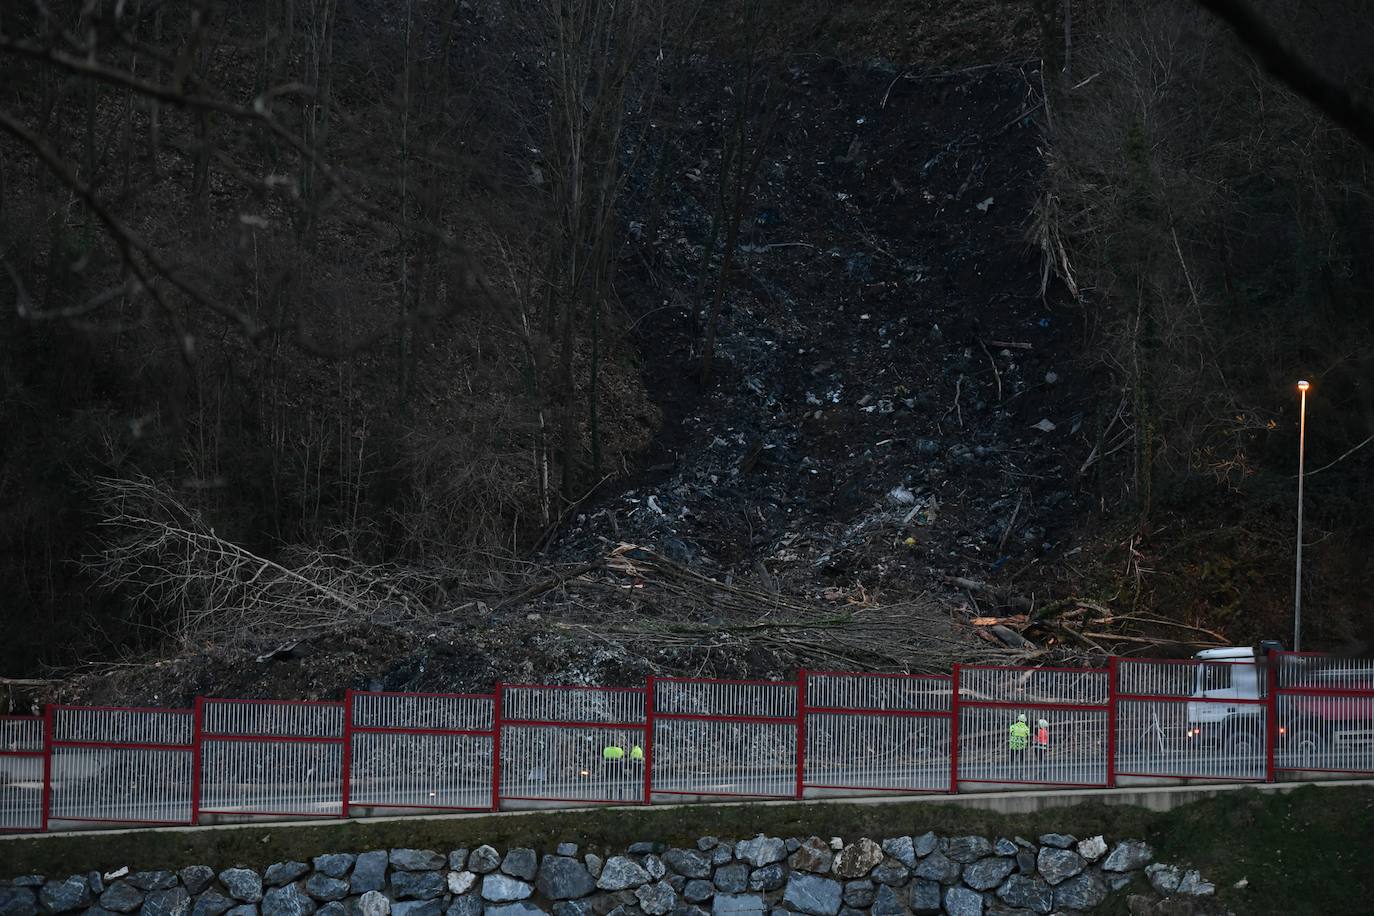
x: 1042, y: 737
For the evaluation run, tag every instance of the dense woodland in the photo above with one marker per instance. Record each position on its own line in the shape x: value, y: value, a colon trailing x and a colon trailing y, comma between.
x: 322, y: 302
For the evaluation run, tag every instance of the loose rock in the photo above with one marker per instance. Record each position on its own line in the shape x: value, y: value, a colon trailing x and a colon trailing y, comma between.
x: 123, y: 897
x: 483, y: 859
x: 813, y: 855
x: 656, y: 899
x: 416, y: 908
x: 242, y: 884
x: 172, y: 902
x: 966, y: 849
x: 1057, y: 840
x: 335, y: 864
x: 460, y: 882
x: 1193, y: 884
x: 211, y: 903
x: 902, y: 849
x: 282, y: 873
x: 761, y: 850
x: 925, y: 844
x: 418, y: 859
x: 153, y: 880
x: 520, y: 863
x: 887, y: 903
x: 286, y: 901
x: 858, y: 893
x: 1082, y: 892
x: 732, y: 879
x: 467, y: 905
x: 697, y: 891
x: 1056, y: 865
x: 1027, y: 893
x: 858, y: 859
x: 1093, y: 848
x: 768, y: 878
x: 564, y: 878
x: 458, y: 860
x: 688, y: 862
x: 65, y: 896
x: 891, y: 872
x: 938, y: 867
x: 813, y: 894
x: 960, y: 901
x: 322, y: 887
x: 925, y: 897
x: 1128, y: 856
x: 567, y: 849
x: 738, y: 905
x: 369, y: 872
x: 985, y: 874
x: 515, y: 909
x: 654, y: 866
x: 1163, y: 878
x: 195, y: 878
x: 620, y: 873
x: 504, y: 889
x: 418, y: 885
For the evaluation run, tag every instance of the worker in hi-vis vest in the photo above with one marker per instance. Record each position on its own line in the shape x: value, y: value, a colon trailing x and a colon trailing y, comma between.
x: 1017, y: 734
x: 1041, y: 739
x: 613, y: 768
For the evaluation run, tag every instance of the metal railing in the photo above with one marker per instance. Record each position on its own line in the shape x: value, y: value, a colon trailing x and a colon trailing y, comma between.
x: 825, y: 732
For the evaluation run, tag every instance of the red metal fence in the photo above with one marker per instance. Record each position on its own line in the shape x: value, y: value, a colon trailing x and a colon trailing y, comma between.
x: 676, y: 737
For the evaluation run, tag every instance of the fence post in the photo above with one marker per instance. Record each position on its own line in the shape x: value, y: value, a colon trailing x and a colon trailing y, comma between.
x: 346, y: 784
x: 1111, y: 722
x: 801, y: 733
x: 1271, y: 714
x: 47, y: 765
x: 496, y: 747
x: 197, y: 718
x: 648, y: 739
x: 954, y: 729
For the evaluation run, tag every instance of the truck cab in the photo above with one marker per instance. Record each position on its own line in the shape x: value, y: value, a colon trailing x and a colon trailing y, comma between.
x: 1231, y: 673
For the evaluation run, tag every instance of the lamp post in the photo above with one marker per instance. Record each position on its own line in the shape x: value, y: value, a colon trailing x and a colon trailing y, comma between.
x: 1297, y: 577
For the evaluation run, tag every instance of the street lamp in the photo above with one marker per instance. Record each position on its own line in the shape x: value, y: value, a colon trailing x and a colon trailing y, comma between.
x: 1297, y: 578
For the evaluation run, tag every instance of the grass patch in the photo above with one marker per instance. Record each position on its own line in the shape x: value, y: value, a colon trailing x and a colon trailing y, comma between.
x: 1306, y: 851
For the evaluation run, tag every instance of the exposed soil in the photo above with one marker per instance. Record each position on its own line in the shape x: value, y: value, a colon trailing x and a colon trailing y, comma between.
x: 893, y: 402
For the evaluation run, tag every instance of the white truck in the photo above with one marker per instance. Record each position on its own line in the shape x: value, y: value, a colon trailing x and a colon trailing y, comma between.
x: 1315, y: 730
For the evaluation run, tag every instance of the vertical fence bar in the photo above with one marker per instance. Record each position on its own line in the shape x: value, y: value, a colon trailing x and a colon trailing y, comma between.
x: 47, y: 764
x: 648, y: 740
x: 954, y: 729
x: 345, y: 775
x: 1271, y: 714
x: 197, y: 718
x: 497, y: 692
x: 800, y: 738
x: 1111, y: 722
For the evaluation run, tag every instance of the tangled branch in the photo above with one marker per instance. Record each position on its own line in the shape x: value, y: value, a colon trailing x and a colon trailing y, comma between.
x: 163, y: 556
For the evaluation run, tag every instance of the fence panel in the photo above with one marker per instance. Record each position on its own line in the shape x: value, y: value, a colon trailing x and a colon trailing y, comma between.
x: 122, y: 765
x: 421, y: 750
x: 730, y: 738
x: 1325, y: 714
x: 21, y: 773
x: 1066, y: 735
x: 877, y: 732
x: 272, y: 757
x: 1182, y: 718
x: 553, y: 739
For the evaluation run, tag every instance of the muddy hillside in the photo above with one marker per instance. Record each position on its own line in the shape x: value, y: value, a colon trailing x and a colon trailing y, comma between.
x: 896, y: 407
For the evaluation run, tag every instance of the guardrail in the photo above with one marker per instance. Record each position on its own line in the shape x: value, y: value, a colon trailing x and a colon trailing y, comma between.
x: 825, y: 732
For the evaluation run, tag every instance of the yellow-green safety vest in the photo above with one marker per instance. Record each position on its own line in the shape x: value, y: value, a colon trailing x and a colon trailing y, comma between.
x: 1016, y: 740
x: 636, y: 753
x: 612, y: 752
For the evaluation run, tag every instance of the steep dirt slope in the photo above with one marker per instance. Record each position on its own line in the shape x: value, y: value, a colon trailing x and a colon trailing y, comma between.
x: 885, y: 367
x: 888, y: 361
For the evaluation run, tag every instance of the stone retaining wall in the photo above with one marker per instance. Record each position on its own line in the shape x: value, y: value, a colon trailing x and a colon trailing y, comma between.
x: 764, y: 876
